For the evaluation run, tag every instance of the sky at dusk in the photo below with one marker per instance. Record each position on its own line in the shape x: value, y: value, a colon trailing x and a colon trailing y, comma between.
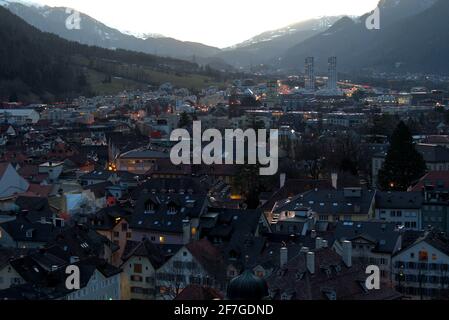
x: 218, y: 23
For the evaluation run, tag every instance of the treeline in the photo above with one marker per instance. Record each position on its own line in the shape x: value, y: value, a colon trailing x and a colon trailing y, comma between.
x: 42, y: 64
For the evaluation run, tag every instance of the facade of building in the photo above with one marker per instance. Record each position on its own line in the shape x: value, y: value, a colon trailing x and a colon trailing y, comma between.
x: 435, y: 208
x: 373, y: 243
x: 309, y: 74
x: 139, y: 161
x: 421, y: 271
x: 140, y: 262
x: 350, y: 204
x: 19, y: 116
x: 198, y: 263
x: 332, y: 73
x: 401, y: 208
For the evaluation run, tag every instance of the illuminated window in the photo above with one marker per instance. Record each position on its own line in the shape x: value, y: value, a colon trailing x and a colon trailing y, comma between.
x: 162, y: 239
x: 193, y: 231
x: 423, y: 256
x: 137, y: 268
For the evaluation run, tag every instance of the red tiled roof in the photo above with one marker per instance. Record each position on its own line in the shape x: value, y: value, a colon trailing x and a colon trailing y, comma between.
x: 197, y: 292
x: 207, y: 255
x: 432, y: 177
x: 39, y: 190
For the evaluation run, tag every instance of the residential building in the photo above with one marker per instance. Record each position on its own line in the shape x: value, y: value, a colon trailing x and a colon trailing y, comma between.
x: 140, y: 261
x: 421, y: 270
x: 167, y: 218
x: 349, y: 204
x: 373, y: 243
x: 401, y: 208
x: 323, y: 274
x: 11, y: 183
x: 198, y: 262
x: 19, y: 116
x: 435, y: 208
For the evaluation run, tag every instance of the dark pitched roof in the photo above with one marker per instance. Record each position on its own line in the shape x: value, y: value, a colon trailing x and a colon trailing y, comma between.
x: 437, y: 240
x: 335, y: 202
x: 399, y: 200
x: 208, y: 256
x: 147, y: 249
x: 384, y: 234
x: 232, y: 224
x: 160, y: 219
x: 82, y: 242
x: 99, y: 189
x: 8, y: 254
x: 97, y: 175
x: 178, y: 185
x: 107, y: 218
x: 21, y: 229
x: 332, y: 280
x: 294, y: 187
x: 147, y: 154
x: 32, y: 203
x: 438, y: 180
x: 44, y: 274
x: 433, y: 153
x: 35, y: 208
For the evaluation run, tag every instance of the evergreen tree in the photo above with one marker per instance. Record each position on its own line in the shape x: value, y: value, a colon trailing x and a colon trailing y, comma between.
x: 403, y: 163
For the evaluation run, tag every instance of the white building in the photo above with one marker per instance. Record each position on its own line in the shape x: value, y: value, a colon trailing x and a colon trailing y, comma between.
x: 19, y: 116
x: 374, y: 243
x: 401, y: 208
x: 198, y: 263
x: 11, y: 182
x: 421, y: 271
x: 101, y: 286
x: 53, y: 169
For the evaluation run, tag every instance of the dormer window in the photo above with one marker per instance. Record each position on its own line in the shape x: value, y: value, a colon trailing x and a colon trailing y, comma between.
x: 29, y: 233
x: 172, y: 209
x: 150, y: 207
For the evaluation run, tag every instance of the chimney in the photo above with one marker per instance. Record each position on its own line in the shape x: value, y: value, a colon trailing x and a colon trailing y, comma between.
x: 304, y: 250
x: 283, y: 256
x: 313, y: 234
x: 334, y: 178
x: 318, y: 243
x: 347, y: 253
x: 324, y: 244
x: 310, y: 261
x: 186, y: 231
x: 282, y: 178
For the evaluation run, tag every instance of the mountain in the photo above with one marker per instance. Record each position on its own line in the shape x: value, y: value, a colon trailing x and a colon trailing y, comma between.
x: 395, y: 10
x: 416, y: 44
x: 43, y: 65
x: 411, y: 39
x: 271, y: 45
x: 93, y: 32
